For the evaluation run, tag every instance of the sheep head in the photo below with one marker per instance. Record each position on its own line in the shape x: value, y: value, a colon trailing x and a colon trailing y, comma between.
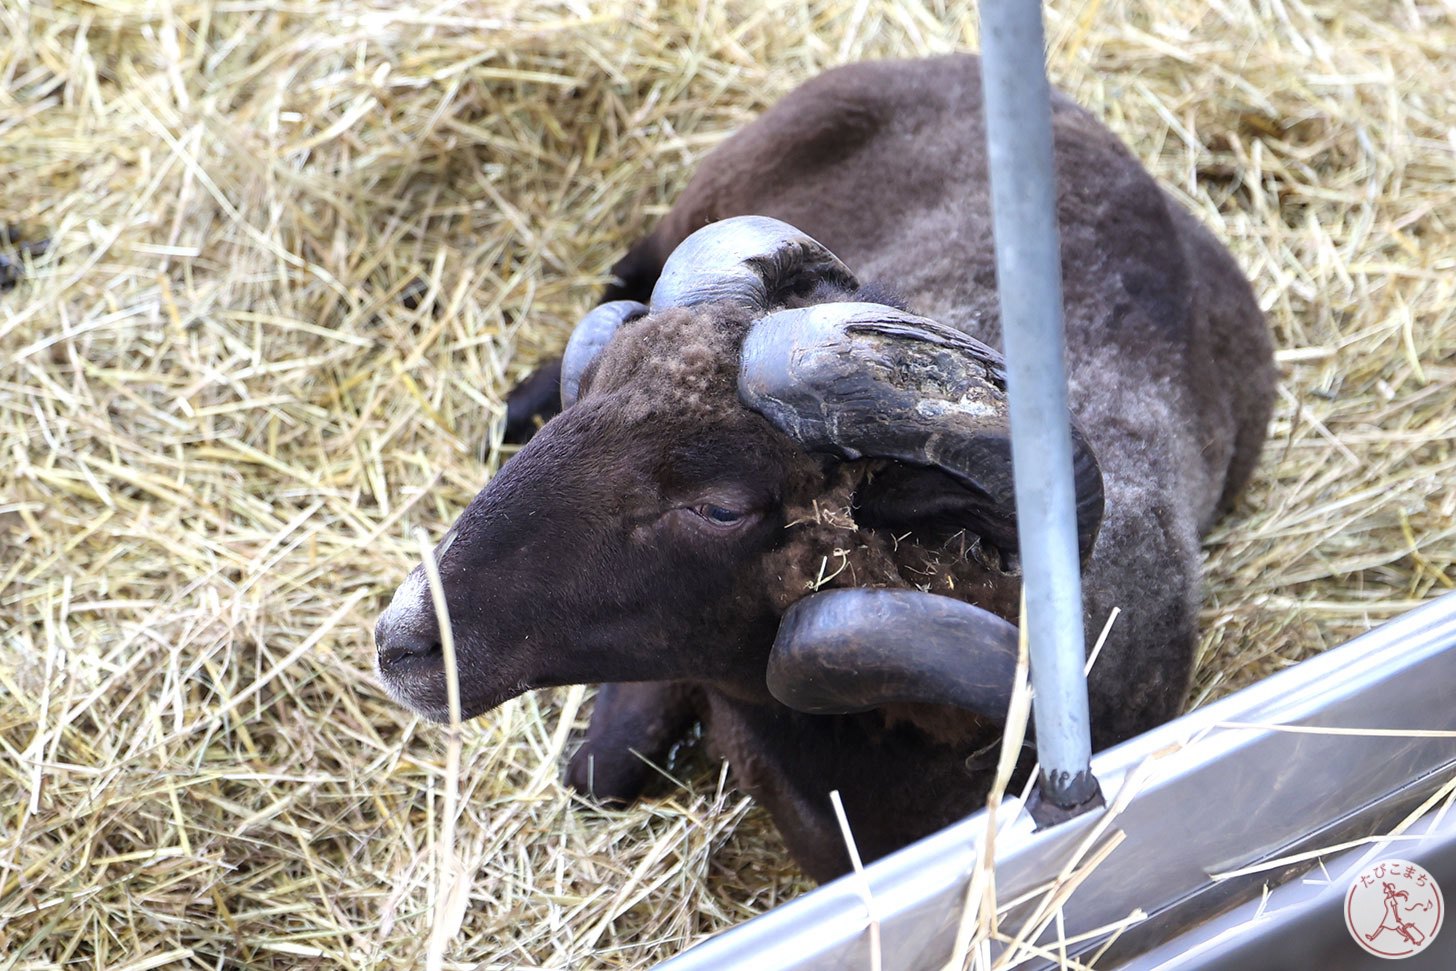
x: 718, y: 451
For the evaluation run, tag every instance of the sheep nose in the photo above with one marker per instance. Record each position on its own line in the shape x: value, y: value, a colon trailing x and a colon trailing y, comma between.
x: 404, y: 644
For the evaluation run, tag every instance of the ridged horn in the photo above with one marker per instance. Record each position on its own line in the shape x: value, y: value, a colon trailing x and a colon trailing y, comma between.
x: 861, y: 380
x: 752, y: 261
x: 592, y: 334
x: 843, y: 651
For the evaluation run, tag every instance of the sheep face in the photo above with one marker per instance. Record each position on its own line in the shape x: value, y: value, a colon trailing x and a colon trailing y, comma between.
x: 633, y: 539
x: 642, y: 535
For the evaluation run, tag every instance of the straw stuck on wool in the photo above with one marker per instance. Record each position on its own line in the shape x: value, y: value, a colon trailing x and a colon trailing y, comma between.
x: 299, y: 253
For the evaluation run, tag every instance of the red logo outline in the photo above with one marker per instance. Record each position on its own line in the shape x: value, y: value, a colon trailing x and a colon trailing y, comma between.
x: 1400, y: 909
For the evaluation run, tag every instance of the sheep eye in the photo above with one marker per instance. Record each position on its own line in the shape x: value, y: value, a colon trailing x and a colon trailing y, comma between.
x: 719, y: 516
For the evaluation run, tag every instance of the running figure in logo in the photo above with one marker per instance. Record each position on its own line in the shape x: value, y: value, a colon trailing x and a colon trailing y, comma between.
x: 1391, y: 920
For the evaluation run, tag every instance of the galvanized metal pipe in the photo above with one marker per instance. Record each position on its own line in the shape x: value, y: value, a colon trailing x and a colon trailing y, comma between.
x: 1028, y: 270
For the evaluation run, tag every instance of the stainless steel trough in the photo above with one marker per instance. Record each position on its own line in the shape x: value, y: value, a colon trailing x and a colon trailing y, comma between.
x: 1212, y: 802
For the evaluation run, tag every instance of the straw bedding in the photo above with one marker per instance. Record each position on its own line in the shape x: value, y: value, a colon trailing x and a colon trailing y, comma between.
x: 299, y: 252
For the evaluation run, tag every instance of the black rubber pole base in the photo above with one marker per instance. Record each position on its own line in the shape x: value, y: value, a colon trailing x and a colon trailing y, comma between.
x: 1082, y: 794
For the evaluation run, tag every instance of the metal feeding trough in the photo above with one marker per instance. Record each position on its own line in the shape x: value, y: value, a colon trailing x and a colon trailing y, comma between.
x: 1227, y: 838
x: 1213, y: 807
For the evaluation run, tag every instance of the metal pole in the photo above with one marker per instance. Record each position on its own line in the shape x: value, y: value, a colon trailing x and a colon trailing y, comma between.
x: 1028, y: 271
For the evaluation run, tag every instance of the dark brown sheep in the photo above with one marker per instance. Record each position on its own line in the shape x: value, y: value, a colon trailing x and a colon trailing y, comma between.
x: 654, y: 534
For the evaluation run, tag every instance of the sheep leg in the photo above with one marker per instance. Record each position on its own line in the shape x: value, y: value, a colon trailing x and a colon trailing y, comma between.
x: 533, y: 402
x: 632, y: 727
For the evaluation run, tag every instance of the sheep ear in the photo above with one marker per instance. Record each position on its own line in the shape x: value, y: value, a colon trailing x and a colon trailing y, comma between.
x: 932, y: 504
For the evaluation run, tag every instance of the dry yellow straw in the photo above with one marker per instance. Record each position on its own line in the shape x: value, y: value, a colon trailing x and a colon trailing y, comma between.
x: 300, y: 254
x: 451, y: 894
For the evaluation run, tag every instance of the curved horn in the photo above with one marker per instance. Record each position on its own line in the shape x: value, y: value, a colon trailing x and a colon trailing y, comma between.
x: 749, y: 260
x: 591, y: 335
x: 863, y: 380
x: 843, y: 651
